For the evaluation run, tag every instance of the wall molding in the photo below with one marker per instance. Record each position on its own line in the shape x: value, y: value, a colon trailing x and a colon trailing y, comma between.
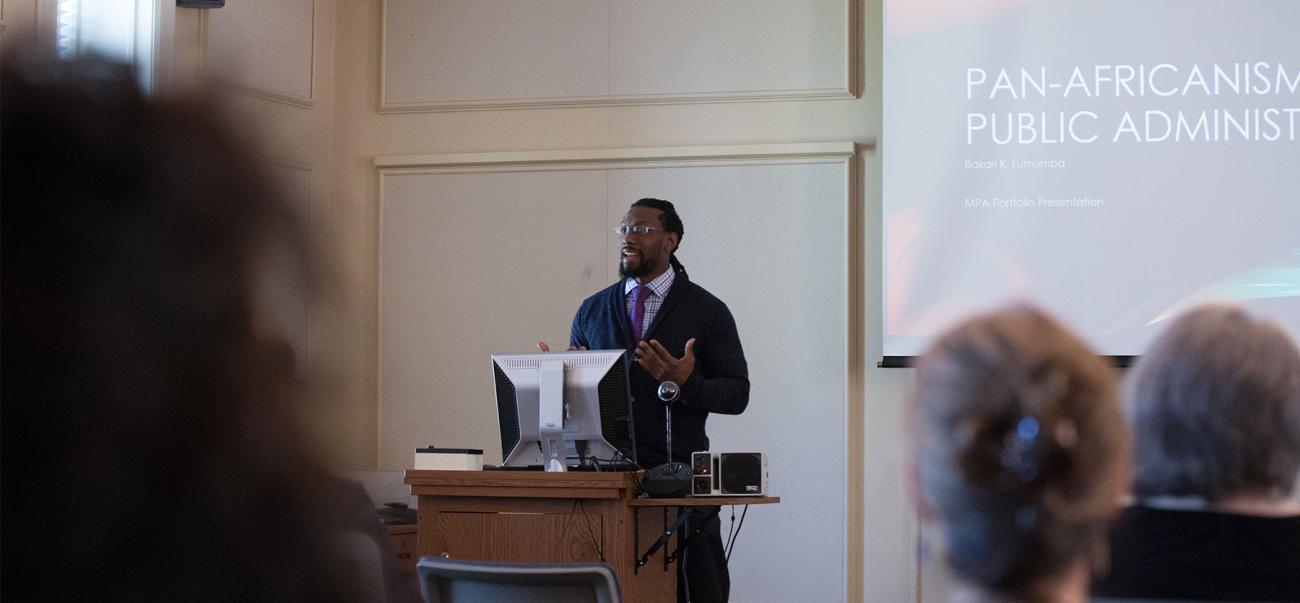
x: 617, y: 157
x: 850, y: 90
x: 279, y: 96
x: 618, y: 101
x: 855, y: 354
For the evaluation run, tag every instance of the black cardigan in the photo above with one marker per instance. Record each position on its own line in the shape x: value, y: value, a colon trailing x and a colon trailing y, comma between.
x: 720, y: 382
x: 1202, y: 555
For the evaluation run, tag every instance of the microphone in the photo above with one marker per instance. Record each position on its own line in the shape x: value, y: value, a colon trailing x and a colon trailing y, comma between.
x: 669, y: 392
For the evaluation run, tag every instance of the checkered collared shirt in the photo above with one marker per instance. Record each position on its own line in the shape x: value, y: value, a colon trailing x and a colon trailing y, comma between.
x: 658, y: 290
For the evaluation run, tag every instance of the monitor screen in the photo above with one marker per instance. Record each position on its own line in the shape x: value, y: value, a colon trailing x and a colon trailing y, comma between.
x: 564, y: 409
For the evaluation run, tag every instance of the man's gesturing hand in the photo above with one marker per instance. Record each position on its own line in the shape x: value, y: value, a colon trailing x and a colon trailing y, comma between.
x: 655, y: 359
x: 542, y: 347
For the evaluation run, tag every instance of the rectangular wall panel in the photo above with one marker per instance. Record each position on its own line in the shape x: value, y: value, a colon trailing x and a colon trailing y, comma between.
x: 264, y: 48
x: 441, y: 55
x: 489, y: 253
x: 459, y: 52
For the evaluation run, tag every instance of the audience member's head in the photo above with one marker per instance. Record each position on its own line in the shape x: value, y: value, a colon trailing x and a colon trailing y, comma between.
x: 1021, y: 451
x: 1215, y: 408
x: 148, y: 452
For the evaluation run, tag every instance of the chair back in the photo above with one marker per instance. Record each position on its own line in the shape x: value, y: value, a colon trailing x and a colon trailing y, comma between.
x: 460, y: 581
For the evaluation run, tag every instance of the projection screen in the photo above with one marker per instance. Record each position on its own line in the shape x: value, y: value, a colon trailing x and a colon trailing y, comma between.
x: 1115, y: 162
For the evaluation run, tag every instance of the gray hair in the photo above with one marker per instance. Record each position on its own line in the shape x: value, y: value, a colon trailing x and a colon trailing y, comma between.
x: 1215, y: 405
x: 1021, y: 448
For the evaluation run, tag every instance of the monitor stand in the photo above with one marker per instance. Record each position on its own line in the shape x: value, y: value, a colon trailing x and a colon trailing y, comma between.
x: 550, y: 413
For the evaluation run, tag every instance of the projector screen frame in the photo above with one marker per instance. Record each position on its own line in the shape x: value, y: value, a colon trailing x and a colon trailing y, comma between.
x: 890, y: 362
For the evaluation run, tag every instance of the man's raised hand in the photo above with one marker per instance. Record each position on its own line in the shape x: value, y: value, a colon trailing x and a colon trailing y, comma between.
x: 663, y: 366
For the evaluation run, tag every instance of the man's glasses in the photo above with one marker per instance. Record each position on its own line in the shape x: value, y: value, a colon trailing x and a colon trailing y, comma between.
x: 625, y: 229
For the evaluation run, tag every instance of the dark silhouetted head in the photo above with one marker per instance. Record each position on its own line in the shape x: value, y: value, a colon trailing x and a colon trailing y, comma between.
x: 149, y: 451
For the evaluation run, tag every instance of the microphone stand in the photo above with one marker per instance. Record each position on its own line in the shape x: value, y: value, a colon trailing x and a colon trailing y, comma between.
x: 669, y: 392
x: 669, y: 480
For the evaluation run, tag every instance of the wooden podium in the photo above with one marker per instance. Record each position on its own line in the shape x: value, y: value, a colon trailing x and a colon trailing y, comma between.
x: 537, y: 517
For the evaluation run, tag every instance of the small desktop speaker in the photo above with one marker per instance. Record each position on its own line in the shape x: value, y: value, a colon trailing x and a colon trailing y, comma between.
x: 728, y: 474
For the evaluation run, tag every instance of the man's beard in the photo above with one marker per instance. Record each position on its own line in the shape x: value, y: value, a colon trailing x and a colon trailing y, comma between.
x: 625, y: 273
x: 643, y: 268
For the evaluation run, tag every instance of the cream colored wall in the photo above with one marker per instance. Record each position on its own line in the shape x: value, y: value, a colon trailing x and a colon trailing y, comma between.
x: 296, y: 139
x: 26, y: 20
x: 341, y: 132
x: 887, y: 570
x: 21, y: 18
x: 295, y: 131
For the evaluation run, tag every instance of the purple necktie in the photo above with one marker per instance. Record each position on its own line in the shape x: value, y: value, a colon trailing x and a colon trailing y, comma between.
x: 639, y: 295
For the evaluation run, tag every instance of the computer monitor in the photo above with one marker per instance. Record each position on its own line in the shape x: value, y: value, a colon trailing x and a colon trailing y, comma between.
x: 563, y: 409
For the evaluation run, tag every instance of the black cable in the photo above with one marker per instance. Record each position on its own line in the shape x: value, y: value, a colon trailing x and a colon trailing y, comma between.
x: 731, y: 529
x: 591, y: 532
x: 731, y: 544
x: 620, y: 462
x: 681, y: 567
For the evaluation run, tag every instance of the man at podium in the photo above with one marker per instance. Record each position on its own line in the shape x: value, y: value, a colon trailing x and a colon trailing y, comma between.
x: 673, y: 330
